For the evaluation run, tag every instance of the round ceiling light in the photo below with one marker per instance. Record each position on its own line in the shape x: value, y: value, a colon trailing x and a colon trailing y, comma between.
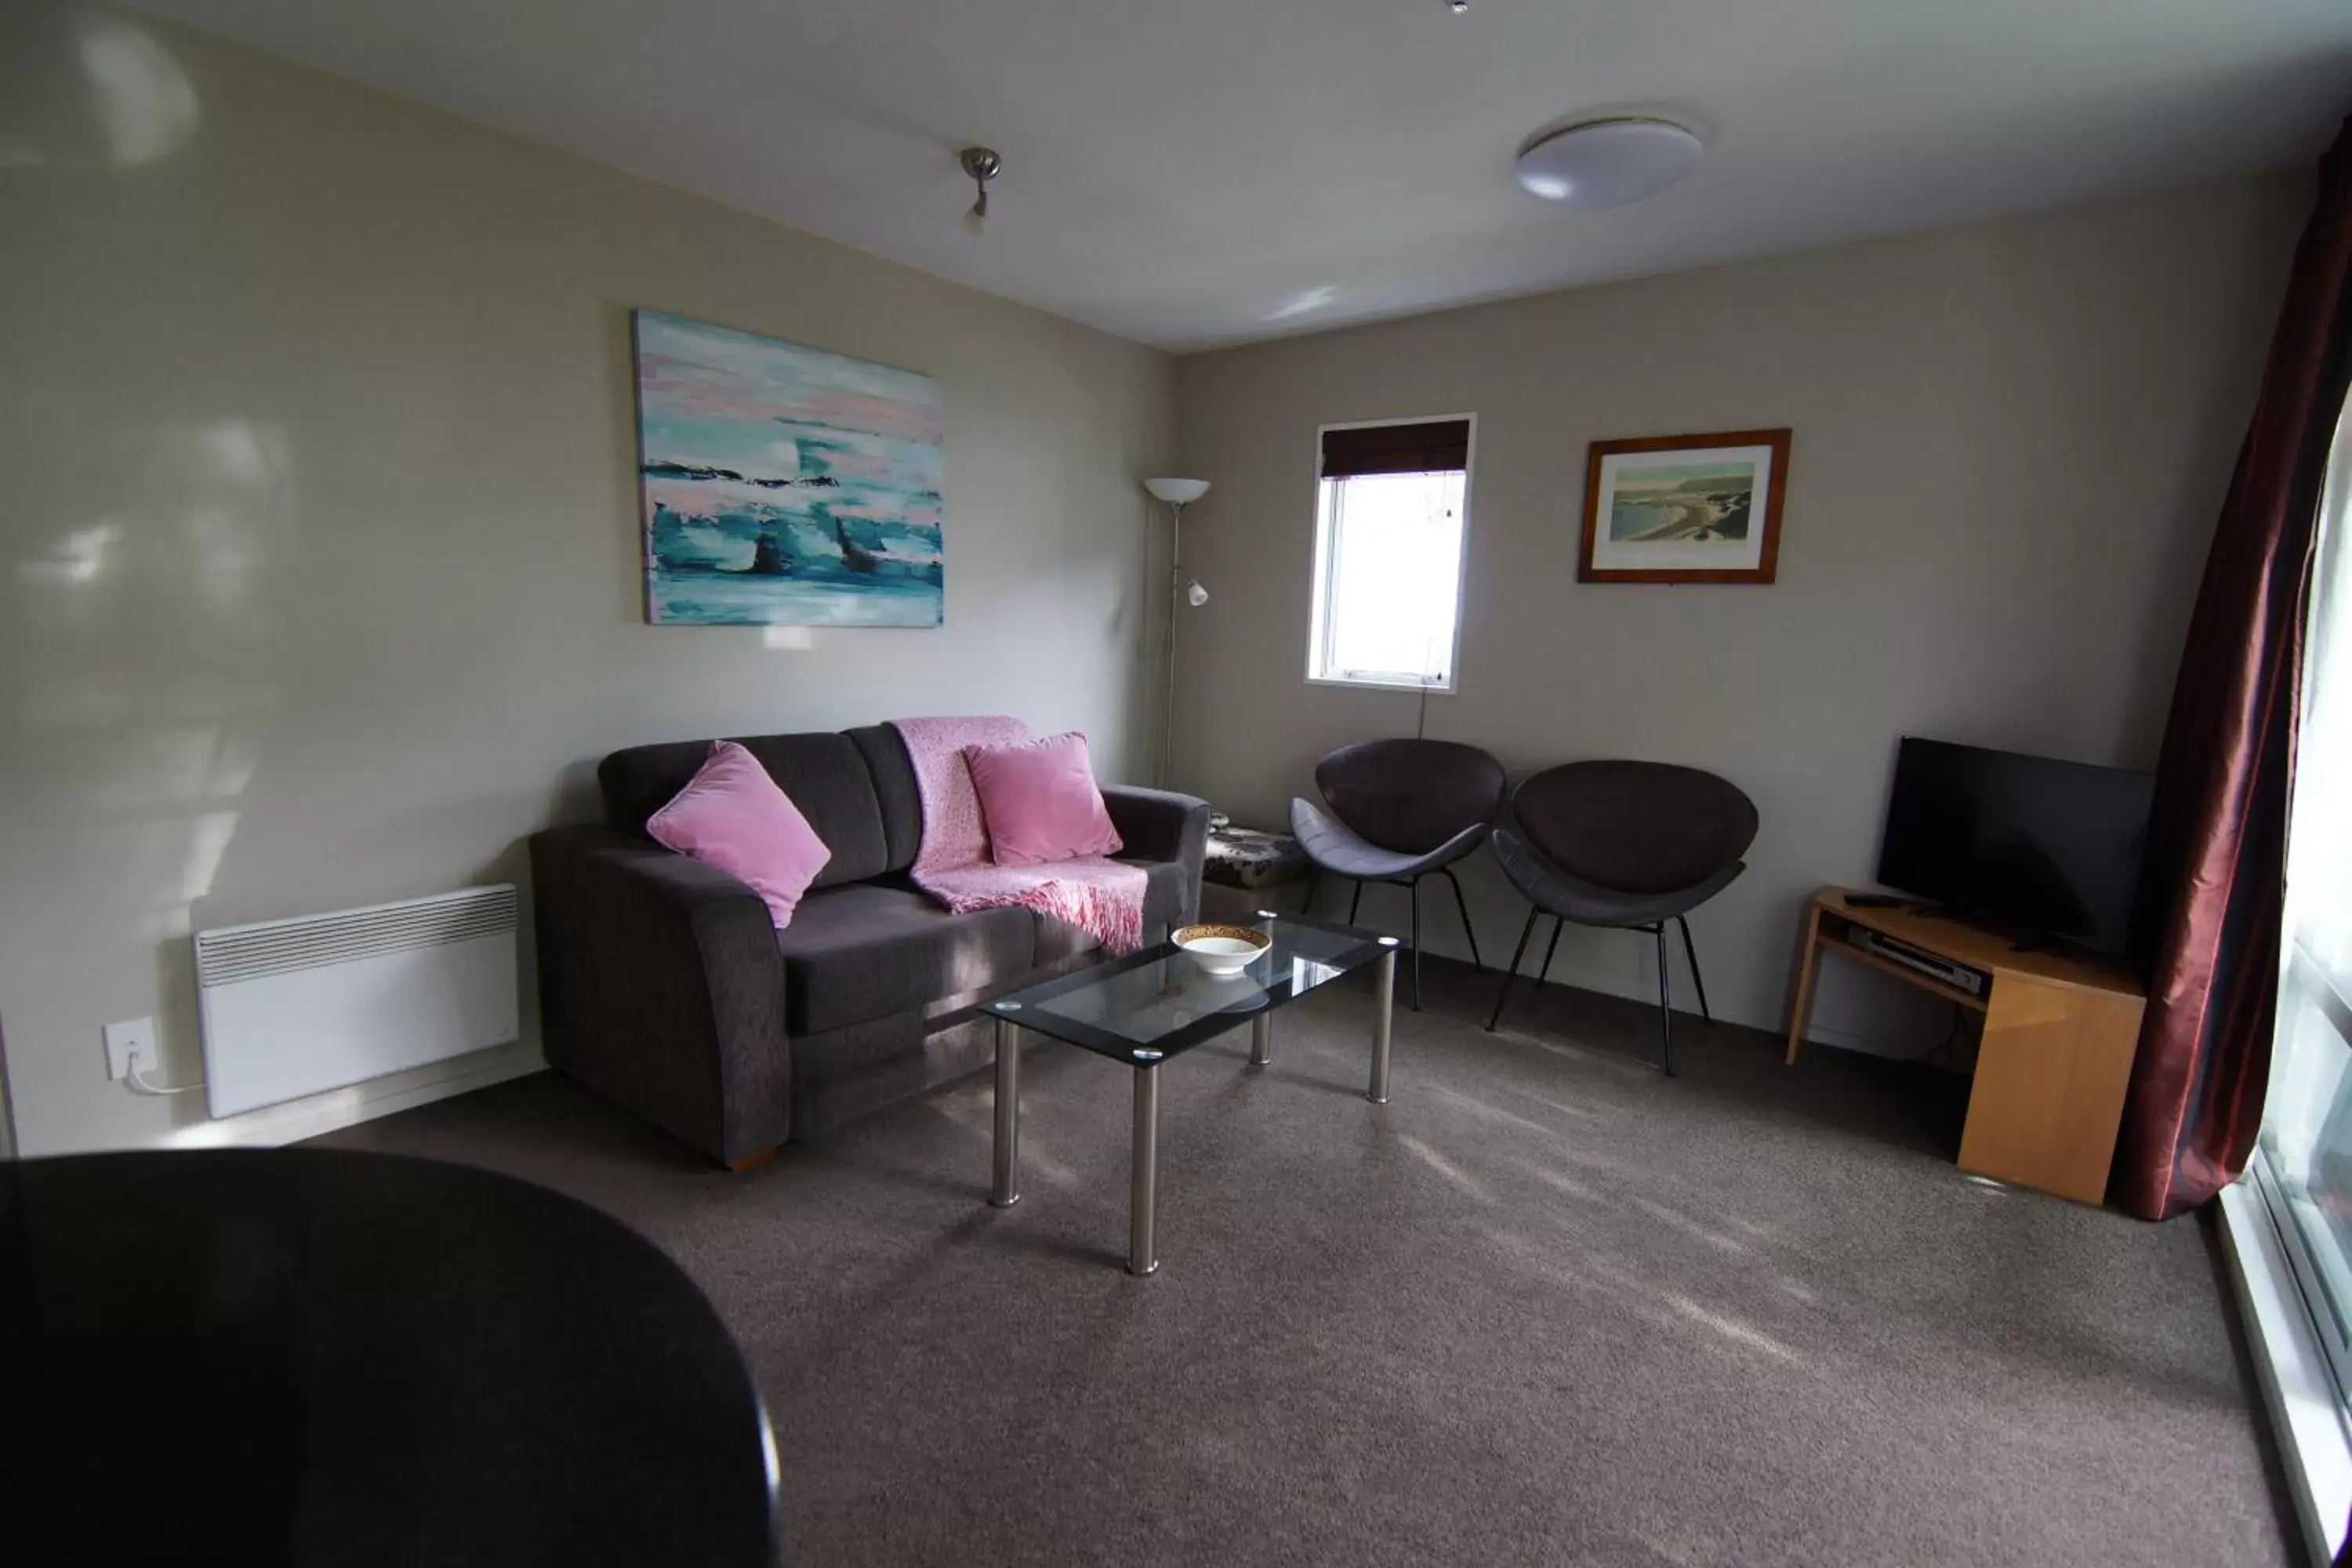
x: 1608, y: 163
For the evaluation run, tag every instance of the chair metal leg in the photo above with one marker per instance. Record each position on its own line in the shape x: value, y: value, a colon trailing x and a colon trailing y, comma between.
x: 1545, y: 972
x: 1416, y: 886
x: 1665, y: 1008
x: 1502, y: 994
x: 1691, y: 952
x: 1355, y: 903
x: 1464, y: 905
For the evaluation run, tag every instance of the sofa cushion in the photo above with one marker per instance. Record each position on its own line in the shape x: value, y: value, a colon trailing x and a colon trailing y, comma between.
x: 867, y: 951
x: 824, y: 774
x: 1167, y: 900
x: 1039, y: 801
x: 894, y: 788
x: 730, y: 815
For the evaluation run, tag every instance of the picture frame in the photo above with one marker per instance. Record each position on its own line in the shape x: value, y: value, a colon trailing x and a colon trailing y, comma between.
x: 1684, y: 508
x: 782, y: 485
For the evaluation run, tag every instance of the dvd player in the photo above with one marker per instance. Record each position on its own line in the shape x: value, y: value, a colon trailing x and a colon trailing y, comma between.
x: 1975, y: 982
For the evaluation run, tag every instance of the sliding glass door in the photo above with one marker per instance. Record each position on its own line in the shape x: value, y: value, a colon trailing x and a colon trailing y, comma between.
x: 2306, y: 1140
x: 2290, y: 1224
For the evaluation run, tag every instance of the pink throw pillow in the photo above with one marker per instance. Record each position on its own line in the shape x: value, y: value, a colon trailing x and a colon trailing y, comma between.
x: 1040, y: 802
x: 730, y: 815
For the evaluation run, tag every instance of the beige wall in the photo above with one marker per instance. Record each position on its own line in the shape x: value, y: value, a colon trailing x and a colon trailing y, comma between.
x: 319, y: 523
x: 2011, y: 441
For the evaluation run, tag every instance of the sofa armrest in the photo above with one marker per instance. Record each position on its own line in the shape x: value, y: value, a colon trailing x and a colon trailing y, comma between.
x: 1162, y: 825
x: 1159, y: 825
x: 660, y: 987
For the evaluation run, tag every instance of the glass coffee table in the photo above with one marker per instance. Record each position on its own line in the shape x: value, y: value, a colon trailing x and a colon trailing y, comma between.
x: 1151, y: 1007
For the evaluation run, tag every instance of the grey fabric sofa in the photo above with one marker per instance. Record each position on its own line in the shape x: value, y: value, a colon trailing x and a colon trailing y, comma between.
x: 664, y: 986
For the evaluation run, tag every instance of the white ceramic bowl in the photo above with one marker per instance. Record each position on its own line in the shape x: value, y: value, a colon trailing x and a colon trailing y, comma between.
x: 1222, y: 949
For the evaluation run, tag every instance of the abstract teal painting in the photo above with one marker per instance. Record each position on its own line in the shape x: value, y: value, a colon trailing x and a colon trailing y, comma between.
x: 785, y: 485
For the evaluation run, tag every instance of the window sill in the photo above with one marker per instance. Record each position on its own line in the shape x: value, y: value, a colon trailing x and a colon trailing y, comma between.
x: 2306, y: 1412
x: 1367, y: 683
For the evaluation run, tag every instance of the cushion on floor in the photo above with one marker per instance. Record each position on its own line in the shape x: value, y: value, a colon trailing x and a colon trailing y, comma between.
x: 868, y: 950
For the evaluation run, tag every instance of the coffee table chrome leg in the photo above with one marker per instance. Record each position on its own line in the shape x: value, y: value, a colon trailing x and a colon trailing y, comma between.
x: 1262, y: 1039
x: 1383, y: 1015
x: 1004, y: 1191
x: 1142, y: 1256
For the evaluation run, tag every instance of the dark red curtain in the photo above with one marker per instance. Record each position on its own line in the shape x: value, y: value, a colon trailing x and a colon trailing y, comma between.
x: 2217, y: 838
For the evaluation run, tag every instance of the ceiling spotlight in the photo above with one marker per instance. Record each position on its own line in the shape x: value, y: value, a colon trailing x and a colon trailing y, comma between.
x: 981, y: 164
x: 1459, y: 7
x: 1608, y: 163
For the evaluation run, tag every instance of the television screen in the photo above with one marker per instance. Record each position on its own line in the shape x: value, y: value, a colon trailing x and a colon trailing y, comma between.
x: 2039, y: 847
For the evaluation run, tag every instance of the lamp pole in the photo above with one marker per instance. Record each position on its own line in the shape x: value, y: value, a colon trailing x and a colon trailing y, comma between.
x: 1176, y: 493
x: 1167, y: 654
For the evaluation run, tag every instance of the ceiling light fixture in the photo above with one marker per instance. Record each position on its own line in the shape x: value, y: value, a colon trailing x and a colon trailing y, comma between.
x: 1608, y: 163
x: 982, y: 164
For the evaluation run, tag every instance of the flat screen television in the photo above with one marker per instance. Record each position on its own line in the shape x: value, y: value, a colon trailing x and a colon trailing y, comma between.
x: 2048, y: 851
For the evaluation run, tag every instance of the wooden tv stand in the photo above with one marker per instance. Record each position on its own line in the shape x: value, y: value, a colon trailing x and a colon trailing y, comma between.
x: 2059, y: 1036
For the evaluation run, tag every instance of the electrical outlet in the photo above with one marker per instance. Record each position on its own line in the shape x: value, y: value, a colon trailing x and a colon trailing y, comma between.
x: 134, y: 1037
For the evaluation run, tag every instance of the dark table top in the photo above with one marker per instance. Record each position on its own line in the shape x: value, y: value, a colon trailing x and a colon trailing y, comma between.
x: 299, y: 1355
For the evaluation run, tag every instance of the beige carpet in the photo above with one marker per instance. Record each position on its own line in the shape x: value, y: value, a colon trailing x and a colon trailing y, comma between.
x: 1546, y: 1307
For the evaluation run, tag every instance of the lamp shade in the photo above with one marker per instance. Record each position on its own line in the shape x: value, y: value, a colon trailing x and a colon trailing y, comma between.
x: 1608, y: 163
x: 1177, y: 493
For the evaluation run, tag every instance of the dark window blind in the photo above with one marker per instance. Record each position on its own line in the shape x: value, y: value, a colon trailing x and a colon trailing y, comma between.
x: 1433, y: 447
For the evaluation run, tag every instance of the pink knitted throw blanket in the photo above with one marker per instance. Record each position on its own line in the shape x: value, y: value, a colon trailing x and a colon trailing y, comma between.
x: 1101, y: 897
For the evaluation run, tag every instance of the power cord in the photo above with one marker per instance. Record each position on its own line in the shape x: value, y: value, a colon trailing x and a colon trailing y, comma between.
x: 137, y: 1081
x: 1949, y: 1052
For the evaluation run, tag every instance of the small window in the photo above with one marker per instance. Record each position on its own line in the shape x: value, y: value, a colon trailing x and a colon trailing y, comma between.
x: 1389, y: 520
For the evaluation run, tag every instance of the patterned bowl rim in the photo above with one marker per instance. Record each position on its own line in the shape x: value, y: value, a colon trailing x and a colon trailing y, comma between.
x: 1188, y: 934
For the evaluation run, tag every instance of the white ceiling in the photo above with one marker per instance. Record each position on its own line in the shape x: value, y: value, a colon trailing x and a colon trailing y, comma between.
x: 1192, y: 172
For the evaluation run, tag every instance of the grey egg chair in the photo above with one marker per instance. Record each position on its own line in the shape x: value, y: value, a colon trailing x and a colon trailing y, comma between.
x: 1626, y: 845
x: 1396, y: 811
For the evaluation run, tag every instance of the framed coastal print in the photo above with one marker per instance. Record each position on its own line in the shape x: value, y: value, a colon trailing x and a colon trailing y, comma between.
x: 1685, y: 509
x: 782, y: 485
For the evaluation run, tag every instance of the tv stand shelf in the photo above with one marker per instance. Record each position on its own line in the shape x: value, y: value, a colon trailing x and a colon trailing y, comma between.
x: 2060, y: 1034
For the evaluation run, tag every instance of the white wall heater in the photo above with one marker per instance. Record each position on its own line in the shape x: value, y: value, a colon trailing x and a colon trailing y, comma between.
x: 296, y: 1007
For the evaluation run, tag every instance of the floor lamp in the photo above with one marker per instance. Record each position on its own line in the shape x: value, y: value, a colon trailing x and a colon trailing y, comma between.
x: 1181, y: 590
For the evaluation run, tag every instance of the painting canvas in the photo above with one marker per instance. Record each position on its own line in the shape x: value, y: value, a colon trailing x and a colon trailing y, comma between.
x: 785, y: 485
x: 1685, y: 509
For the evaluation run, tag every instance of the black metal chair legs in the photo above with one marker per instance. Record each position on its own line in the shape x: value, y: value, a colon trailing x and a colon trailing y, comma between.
x: 1462, y: 904
x: 1666, y: 1006
x: 1413, y: 886
x: 1511, y: 971
x: 1413, y: 892
x: 1665, y: 1002
x: 1691, y: 952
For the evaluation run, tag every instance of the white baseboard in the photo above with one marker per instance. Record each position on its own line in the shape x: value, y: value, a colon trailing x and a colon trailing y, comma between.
x: 297, y: 1120
x: 2298, y: 1391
